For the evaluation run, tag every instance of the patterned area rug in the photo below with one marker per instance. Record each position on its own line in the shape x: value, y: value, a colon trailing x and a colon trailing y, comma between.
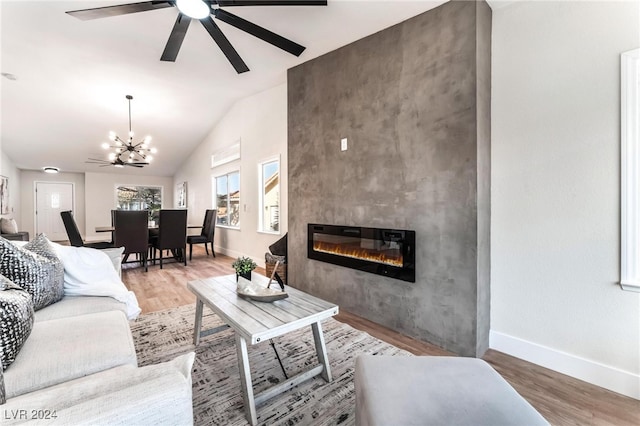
x: 161, y: 336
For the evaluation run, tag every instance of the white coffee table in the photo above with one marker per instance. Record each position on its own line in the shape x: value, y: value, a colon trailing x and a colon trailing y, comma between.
x: 254, y: 322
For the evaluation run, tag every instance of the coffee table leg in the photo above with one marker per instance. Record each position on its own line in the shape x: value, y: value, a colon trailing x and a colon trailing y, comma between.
x: 198, y: 322
x: 321, y: 350
x: 245, y: 380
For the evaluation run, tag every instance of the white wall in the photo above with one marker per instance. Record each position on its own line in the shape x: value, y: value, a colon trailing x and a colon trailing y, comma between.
x: 260, y: 122
x: 100, y: 197
x: 555, y: 190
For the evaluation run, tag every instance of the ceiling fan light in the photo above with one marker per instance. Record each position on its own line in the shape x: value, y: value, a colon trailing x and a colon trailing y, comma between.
x: 196, y: 9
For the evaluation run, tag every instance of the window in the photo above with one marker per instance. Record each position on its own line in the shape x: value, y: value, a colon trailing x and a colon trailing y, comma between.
x: 130, y: 197
x: 630, y: 179
x: 228, y: 200
x: 269, y: 173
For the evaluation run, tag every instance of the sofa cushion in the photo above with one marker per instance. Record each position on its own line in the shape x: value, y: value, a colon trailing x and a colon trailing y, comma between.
x: 34, y: 273
x: 155, y: 394
x: 8, y: 226
x: 71, y: 306
x: 68, y: 348
x: 16, y: 320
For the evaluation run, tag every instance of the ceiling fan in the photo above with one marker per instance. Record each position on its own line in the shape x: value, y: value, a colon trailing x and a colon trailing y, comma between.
x: 204, y: 10
x: 116, y: 163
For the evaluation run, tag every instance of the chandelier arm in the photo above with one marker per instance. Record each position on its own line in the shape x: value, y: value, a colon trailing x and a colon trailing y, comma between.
x: 129, y: 97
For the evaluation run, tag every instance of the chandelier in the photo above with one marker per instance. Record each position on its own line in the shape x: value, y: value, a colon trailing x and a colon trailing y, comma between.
x: 127, y: 152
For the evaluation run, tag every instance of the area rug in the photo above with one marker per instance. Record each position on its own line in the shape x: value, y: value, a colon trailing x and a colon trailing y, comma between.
x: 217, y: 399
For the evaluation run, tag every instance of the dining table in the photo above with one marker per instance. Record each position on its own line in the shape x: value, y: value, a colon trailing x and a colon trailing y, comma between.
x: 113, y: 228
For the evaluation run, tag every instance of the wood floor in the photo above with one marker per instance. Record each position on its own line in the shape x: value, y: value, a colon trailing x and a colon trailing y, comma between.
x: 562, y: 400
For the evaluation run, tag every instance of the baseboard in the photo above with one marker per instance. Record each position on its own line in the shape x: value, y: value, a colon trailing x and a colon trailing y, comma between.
x: 235, y: 254
x: 605, y: 376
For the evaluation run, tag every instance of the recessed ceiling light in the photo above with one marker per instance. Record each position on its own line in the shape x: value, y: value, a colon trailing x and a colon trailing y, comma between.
x: 9, y: 76
x: 50, y: 169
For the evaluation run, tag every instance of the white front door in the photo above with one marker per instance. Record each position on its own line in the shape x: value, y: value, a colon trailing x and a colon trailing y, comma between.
x: 51, y: 199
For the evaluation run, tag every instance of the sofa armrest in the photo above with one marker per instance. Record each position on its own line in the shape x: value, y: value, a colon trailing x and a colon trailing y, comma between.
x: 17, y: 236
x: 151, y: 395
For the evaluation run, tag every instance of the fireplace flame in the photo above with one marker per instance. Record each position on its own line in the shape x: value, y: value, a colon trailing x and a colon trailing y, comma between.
x: 360, y: 253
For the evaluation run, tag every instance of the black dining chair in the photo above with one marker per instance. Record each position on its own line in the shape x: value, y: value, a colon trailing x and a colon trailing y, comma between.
x: 172, y: 235
x: 75, y: 239
x: 132, y: 233
x: 206, y: 234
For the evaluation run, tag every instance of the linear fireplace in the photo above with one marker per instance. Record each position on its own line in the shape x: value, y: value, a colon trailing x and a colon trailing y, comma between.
x: 388, y: 252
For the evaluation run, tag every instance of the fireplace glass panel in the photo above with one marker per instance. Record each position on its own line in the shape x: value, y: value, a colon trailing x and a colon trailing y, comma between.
x: 379, y: 251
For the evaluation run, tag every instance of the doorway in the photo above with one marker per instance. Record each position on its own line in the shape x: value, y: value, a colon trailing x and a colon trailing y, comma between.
x: 51, y: 199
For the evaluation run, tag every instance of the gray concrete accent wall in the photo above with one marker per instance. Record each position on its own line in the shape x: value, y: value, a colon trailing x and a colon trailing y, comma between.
x: 409, y: 102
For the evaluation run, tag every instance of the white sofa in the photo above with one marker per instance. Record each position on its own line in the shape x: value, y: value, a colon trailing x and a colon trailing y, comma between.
x: 79, y: 366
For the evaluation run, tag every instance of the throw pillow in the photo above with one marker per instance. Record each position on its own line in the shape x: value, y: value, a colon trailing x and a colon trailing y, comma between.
x: 279, y: 248
x: 40, y: 245
x: 16, y: 320
x: 8, y: 226
x: 34, y: 273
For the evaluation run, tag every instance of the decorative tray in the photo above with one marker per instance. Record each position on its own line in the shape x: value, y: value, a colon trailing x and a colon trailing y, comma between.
x: 253, y: 291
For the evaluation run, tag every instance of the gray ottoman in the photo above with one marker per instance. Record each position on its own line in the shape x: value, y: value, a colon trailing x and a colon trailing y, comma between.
x: 398, y: 390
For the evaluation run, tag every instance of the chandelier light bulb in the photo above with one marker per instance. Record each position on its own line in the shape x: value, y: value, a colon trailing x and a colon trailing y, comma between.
x: 112, y: 156
x: 147, y: 139
x: 112, y: 136
x: 143, y: 146
x: 118, y: 143
x: 105, y: 146
x: 153, y: 150
x: 149, y: 158
x: 196, y: 9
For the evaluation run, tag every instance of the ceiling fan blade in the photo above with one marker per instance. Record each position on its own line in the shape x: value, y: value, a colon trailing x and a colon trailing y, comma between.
x: 225, y: 3
x: 225, y: 46
x: 260, y: 32
x: 176, y: 38
x: 122, y: 9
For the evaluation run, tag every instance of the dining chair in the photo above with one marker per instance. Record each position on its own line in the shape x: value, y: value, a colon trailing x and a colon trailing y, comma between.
x: 172, y: 235
x: 132, y: 233
x: 75, y: 239
x: 206, y: 234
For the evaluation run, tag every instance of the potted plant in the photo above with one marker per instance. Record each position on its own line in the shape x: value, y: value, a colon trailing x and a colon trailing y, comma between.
x: 243, y: 267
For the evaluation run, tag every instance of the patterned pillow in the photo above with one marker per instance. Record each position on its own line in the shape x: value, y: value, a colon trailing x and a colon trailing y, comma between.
x: 41, y: 277
x: 16, y: 320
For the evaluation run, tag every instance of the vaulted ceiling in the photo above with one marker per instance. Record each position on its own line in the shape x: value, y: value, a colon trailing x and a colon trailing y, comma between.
x: 72, y: 76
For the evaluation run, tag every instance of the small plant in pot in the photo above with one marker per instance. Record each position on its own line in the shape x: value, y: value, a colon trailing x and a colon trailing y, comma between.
x: 243, y: 267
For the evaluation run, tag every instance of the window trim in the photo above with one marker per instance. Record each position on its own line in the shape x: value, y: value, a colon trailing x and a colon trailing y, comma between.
x: 275, y: 158
x: 215, y: 196
x: 136, y: 185
x: 630, y: 170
